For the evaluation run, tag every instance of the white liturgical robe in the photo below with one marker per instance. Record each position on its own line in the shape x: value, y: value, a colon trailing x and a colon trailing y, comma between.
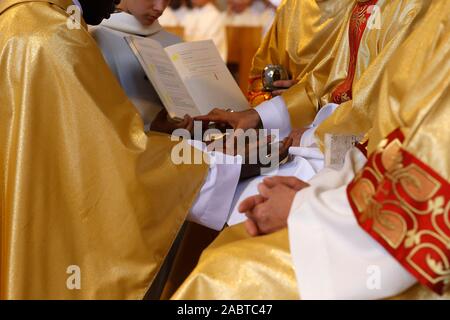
x: 207, y: 23
x: 257, y: 15
x: 334, y: 257
x: 173, y: 18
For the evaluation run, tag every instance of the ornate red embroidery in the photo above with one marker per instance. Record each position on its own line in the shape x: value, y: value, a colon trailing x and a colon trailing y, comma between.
x: 358, y: 24
x: 405, y: 205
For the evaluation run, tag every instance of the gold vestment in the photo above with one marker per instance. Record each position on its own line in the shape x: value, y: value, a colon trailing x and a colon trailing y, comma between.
x: 391, y: 21
x: 302, y: 34
x: 87, y: 198
x: 413, y: 96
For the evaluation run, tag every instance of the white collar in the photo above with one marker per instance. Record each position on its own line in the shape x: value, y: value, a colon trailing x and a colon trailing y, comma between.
x: 127, y: 23
x: 77, y: 3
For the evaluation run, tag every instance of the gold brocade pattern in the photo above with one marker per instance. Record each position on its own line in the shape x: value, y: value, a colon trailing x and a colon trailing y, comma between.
x: 301, y: 36
x: 357, y: 26
x: 419, y: 292
x: 401, y: 197
x: 420, y: 108
x: 397, y: 20
x: 80, y: 182
x: 403, y: 204
x: 236, y: 266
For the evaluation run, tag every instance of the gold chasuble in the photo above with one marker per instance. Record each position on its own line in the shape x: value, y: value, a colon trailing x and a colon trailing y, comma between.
x: 401, y: 197
x: 302, y: 34
x: 90, y: 205
x: 391, y: 22
x: 372, y: 31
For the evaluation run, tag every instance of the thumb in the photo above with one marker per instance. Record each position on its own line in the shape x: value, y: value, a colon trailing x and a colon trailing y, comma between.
x: 291, y: 182
x: 264, y: 190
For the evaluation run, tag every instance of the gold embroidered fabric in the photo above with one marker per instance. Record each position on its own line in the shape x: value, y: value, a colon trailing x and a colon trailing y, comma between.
x: 401, y: 197
x: 412, y: 95
x: 301, y: 35
x: 390, y: 23
x: 83, y: 191
x: 398, y: 19
x: 236, y: 266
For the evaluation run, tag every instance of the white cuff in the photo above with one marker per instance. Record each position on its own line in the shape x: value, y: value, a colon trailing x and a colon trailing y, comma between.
x: 334, y: 257
x: 308, y: 138
x: 275, y: 116
x: 212, y: 207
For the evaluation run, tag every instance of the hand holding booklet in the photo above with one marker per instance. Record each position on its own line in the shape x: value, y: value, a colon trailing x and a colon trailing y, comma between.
x: 190, y: 78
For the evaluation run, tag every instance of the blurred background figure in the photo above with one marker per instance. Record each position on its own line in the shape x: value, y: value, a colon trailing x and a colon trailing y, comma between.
x: 174, y: 15
x: 197, y: 20
x: 206, y: 22
x: 251, y: 13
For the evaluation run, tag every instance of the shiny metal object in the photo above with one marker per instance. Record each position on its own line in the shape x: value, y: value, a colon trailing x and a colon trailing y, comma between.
x: 272, y: 73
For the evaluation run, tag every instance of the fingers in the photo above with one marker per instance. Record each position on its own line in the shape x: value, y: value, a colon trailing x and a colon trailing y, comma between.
x: 296, y: 137
x: 287, y: 143
x: 284, y: 83
x: 258, y: 214
x: 216, y: 115
x: 160, y: 117
x: 187, y: 123
x: 162, y: 112
x: 291, y: 182
x: 260, y: 220
x: 274, y: 181
x: 251, y: 227
x: 282, y: 151
x: 277, y: 93
x: 190, y: 125
x: 264, y: 190
x: 249, y: 203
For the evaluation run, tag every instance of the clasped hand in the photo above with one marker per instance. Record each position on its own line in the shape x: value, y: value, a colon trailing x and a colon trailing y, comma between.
x: 268, y: 211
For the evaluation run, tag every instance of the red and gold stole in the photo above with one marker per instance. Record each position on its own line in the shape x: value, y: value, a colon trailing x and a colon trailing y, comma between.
x: 358, y: 23
x: 405, y: 205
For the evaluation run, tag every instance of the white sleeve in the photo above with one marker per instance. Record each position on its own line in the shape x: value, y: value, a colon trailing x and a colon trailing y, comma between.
x: 334, y: 257
x: 309, y: 136
x: 274, y: 115
x: 212, y: 206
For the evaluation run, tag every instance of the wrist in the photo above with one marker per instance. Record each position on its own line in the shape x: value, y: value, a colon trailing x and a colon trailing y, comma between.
x: 256, y: 121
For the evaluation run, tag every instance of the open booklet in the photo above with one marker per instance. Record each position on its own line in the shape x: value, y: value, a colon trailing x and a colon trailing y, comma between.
x: 190, y: 78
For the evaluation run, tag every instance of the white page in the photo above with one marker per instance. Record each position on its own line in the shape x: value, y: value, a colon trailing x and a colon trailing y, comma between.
x: 164, y: 77
x: 206, y: 76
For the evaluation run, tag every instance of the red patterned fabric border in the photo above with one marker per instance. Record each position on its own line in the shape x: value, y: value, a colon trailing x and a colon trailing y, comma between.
x: 363, y: 147
x: 358, y: 24
x: 404, y: 205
